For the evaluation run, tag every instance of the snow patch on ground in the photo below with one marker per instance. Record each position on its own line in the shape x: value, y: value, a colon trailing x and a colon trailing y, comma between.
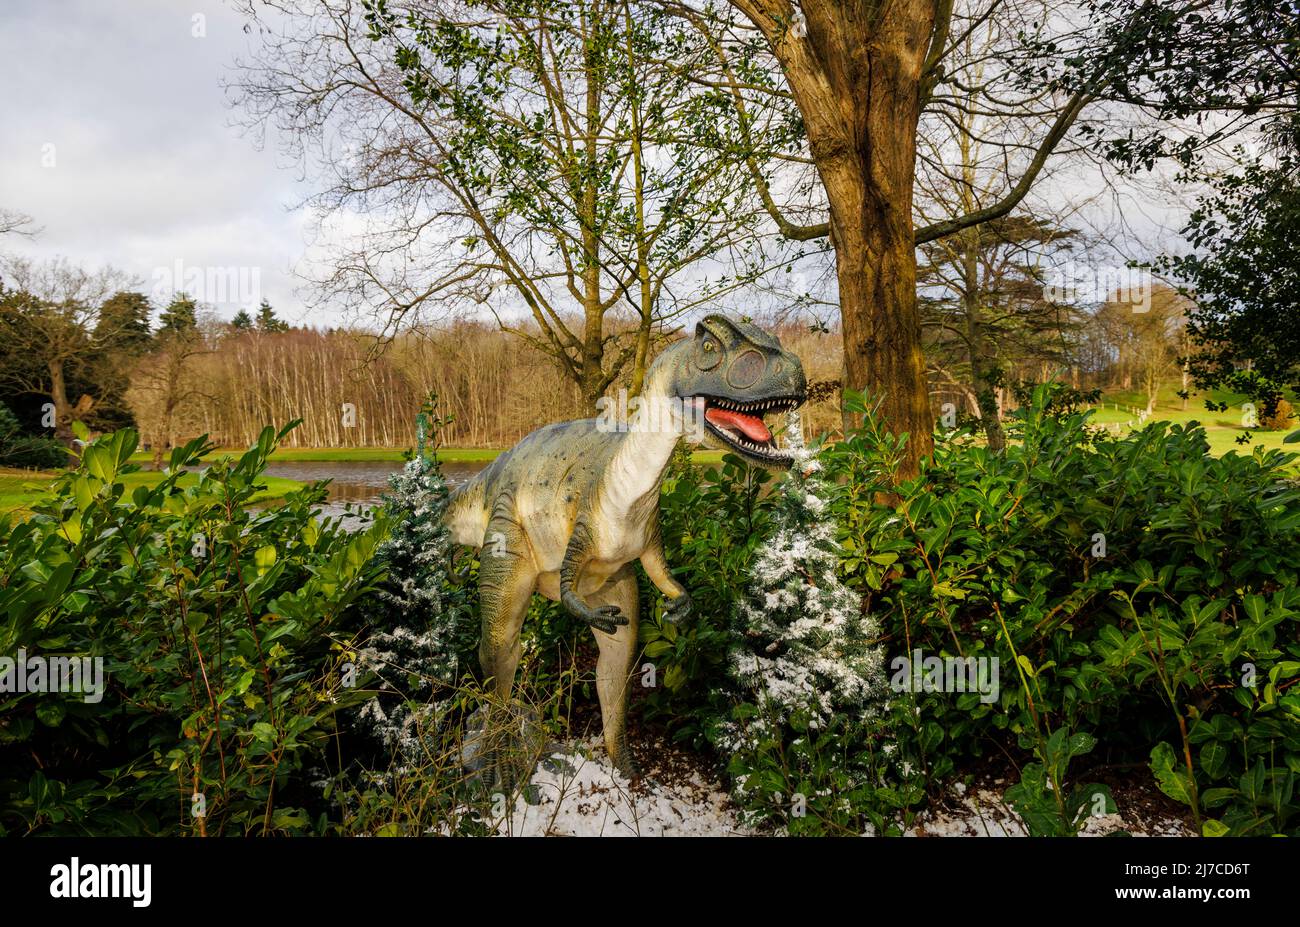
x: 577, y: 793
x: 984, y: 813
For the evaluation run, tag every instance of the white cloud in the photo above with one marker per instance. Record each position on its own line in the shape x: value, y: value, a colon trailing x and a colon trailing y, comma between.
x: 148, y: 167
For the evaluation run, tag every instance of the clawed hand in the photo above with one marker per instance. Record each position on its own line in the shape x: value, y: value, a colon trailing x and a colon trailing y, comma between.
x: 677, y: 609
x: 606, y: 618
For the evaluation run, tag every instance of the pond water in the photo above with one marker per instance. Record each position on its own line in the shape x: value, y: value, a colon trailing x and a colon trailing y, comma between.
x: 358, y: 483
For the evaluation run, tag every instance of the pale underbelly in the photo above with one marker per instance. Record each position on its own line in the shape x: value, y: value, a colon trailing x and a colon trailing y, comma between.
x: 593, y: 578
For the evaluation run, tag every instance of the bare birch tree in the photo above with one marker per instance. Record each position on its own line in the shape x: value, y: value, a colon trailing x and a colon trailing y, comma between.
x: 530, y: 160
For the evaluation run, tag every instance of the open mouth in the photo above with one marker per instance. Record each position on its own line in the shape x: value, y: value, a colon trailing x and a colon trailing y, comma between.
x: 741, y: 425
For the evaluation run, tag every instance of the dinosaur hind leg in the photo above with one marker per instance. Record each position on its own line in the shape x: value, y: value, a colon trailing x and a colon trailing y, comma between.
x: 618, y: 652
x: 507, y: 578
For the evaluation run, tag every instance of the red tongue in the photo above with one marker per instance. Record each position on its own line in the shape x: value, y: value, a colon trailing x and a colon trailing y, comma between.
x: 751, y: 425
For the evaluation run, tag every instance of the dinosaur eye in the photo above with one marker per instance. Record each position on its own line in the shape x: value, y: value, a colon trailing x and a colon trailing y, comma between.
x: 710, y: 354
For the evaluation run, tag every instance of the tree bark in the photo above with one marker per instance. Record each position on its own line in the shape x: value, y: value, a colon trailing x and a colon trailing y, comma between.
x: 983, y: 373
x: 983, y: 366
x: 62, y: 408
x: 856, y: 76
x: 876, y: 270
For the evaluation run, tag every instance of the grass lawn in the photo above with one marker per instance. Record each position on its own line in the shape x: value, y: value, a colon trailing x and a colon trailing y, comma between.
x: 1116, y: 408
x: 707, y: 457
x: 394, y: 454
x: 318, y: 454
x: 20, y: 488
x: 1221, y: 428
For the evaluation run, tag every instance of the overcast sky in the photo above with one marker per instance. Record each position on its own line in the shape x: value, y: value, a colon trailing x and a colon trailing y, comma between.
x: 116, y: 138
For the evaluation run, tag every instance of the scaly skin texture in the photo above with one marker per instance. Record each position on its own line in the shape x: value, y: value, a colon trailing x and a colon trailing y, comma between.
x: 568, y: 510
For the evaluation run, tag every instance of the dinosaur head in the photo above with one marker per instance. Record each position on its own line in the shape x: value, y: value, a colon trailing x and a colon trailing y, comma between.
x: 735, y: 374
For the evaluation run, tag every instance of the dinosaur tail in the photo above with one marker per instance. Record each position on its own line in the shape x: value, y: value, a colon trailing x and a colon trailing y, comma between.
x: 466, y: 517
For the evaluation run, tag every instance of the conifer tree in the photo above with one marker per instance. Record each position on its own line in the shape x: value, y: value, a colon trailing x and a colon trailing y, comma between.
x: 423, y: 631
x: 804, y: 654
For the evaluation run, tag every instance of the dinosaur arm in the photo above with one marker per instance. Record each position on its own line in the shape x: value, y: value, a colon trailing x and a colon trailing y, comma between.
x: 604, y: 618
x: 656, y: 567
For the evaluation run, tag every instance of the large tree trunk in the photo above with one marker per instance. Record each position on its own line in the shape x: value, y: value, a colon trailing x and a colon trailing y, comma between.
x: 856, y: 77
x: 62, y: 408
x: 983, y: 366
x: 166, y: 439
x: 983, y: 373
x: 876, y: 270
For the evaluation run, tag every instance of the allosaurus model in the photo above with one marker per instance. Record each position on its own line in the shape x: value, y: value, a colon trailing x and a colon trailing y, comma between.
x: 570, y: 507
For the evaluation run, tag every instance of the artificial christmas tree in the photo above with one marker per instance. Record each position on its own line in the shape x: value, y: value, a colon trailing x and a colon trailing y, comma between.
x: 423, y: 631
x: 804, y: 657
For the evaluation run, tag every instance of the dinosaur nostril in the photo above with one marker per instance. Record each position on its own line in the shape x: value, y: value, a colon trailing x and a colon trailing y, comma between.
x: 746, y: 369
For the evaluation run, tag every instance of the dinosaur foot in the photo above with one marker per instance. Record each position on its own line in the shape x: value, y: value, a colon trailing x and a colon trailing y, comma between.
x: 627, y: 765
x: 503, y: 745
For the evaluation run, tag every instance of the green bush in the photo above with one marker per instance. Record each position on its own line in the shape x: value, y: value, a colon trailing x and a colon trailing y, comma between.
x: 26, y: 451
x: 712, y: 521
x: 1139, y: 597
x: 267, y: 672
x: 218, y: 626
x: 1139, y: 594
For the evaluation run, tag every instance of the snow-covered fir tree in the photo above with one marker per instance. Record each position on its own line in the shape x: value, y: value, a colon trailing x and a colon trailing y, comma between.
x: 804, y: 651
x: 423, y: 628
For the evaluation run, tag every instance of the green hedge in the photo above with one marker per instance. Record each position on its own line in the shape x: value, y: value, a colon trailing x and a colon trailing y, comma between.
x: 1139, y: 596
x: 220, y: 628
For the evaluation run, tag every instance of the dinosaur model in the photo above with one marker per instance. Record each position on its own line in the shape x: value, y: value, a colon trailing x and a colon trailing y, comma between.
x: 570, y: 507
